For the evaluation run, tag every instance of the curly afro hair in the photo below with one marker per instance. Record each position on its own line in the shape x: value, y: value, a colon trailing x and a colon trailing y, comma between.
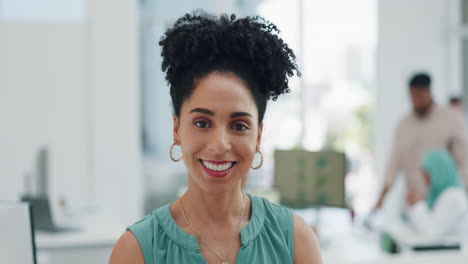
x: 199, y: 44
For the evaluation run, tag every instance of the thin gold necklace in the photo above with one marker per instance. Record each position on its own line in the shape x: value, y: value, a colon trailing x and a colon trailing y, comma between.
x: 224, y: 259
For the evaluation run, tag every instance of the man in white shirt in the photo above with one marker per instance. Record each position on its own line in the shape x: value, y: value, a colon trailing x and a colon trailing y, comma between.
x: 429, y: 126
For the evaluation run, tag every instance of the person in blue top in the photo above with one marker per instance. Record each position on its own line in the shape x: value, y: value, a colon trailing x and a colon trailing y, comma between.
x: 442, y: 210
x: 221, y: 71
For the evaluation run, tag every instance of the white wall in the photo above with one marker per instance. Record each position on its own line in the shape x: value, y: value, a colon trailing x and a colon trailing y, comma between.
x: 412, y: 36
x: 74, y: 86
x: 114, y: 82
x: 42, y: 80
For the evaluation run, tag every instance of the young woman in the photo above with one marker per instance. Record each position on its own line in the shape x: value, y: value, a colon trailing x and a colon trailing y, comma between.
x: 445, y: 205
x: 221, y: 71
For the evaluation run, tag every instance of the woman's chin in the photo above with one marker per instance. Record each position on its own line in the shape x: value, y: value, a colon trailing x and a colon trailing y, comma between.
x: 213, y: 185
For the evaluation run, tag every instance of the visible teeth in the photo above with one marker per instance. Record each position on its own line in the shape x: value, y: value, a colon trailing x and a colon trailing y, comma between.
x: 217, y: 167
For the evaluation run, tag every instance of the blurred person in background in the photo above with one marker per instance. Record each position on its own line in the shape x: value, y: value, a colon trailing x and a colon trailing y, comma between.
x: 429, y: 126
x: 221, y: 72
x: 456, y: 103
x: 442, y: 210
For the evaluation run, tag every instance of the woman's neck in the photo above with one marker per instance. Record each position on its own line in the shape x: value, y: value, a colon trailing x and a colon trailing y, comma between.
x: 215, y: 209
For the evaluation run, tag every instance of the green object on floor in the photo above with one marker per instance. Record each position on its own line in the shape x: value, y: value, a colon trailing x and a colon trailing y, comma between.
x: 388, y: 244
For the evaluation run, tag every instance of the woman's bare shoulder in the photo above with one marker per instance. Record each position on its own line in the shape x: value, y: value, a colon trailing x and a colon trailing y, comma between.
x: 127, y: 250
x: 306, y: 246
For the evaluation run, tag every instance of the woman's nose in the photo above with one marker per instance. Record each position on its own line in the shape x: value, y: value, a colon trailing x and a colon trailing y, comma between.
x: 219, y: 142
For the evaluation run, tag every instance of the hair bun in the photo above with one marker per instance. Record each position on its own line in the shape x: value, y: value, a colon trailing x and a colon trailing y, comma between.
x: 252, y: 41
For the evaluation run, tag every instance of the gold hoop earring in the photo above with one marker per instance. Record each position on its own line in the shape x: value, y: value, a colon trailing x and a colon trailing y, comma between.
x: 261, y: 161
x: 170, y: 153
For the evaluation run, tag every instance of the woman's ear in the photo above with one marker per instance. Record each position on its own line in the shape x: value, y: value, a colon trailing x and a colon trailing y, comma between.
x: 175, y: 132
x: 259, y: 137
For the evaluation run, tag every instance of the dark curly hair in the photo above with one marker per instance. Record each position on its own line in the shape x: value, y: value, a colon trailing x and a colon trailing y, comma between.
x: 199, y: 44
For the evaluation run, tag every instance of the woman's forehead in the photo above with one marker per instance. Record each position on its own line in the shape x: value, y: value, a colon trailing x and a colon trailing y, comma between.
x: 221, y: 92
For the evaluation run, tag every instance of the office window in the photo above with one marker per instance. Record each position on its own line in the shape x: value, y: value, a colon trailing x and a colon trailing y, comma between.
x: 336, y: 88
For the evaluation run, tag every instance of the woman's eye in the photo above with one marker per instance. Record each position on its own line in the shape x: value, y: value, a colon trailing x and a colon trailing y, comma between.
x: 202, y: 124
x: 240, y: 127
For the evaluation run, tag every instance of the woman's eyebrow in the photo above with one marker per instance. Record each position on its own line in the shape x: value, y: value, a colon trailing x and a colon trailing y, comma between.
x: 211, y: 113
x: 203, y: 111
x: 240, y: 114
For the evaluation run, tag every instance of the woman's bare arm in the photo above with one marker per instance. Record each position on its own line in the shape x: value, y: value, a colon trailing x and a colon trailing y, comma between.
x: 127, y: 251
x: 306, y: 246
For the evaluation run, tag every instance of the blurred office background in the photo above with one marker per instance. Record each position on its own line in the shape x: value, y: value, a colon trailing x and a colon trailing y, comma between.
x: 82, y: 80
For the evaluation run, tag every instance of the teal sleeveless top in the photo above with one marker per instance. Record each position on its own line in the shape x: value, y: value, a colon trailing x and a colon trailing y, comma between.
x: 268, y: 237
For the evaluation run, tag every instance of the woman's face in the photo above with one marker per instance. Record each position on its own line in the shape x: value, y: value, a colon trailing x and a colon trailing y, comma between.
x: 218, y: 132
x: 426, y: 177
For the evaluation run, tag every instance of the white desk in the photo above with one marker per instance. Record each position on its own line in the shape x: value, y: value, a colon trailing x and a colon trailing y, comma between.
x: 344, y: 243
x: 93, y: 243
x: 364, y: 249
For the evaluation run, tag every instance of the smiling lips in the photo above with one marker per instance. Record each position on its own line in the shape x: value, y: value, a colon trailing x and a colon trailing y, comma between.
x: 217, y: 169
